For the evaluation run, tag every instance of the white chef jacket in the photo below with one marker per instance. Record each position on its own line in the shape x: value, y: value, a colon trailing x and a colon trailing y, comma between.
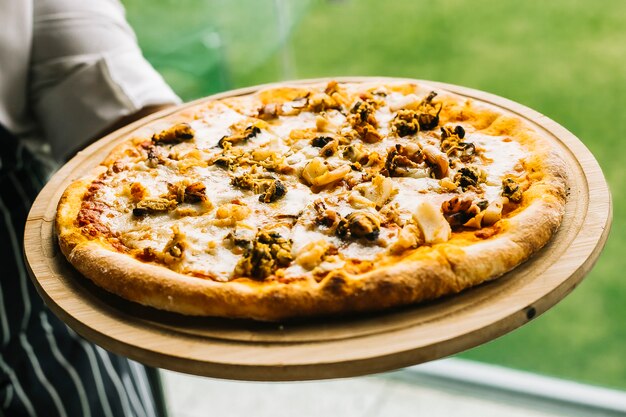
x: 67, y: 75
x: 68, y: 70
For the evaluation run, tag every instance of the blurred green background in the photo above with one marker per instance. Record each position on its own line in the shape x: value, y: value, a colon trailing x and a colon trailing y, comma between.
x: 564, y: 58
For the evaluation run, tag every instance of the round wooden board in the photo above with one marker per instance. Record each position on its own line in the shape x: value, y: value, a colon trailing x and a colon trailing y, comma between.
x: 325, y: 348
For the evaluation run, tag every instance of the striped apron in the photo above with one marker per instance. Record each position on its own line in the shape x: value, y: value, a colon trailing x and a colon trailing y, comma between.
x: 45, y: 368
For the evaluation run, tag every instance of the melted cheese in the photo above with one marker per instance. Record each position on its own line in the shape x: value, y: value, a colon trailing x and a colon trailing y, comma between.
x: 214, y: 125
x: 418, y: 196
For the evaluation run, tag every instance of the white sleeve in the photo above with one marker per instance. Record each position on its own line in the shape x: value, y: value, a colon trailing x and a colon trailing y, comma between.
x: 87, y: 71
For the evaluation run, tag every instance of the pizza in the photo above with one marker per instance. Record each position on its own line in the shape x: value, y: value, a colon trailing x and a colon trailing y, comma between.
x: 314, y: 199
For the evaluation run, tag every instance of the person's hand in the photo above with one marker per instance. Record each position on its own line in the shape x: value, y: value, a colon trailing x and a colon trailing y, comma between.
x: 131, y: 118
x: 118, y: 124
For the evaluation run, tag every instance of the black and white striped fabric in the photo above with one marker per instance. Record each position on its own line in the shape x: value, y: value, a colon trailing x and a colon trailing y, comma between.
x: 45, y: 368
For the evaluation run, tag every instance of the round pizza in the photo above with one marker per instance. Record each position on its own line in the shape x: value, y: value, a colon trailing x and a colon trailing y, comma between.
x: 314, y: 199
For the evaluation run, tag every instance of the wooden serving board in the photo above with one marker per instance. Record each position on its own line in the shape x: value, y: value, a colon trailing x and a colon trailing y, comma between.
x: 325, y: 348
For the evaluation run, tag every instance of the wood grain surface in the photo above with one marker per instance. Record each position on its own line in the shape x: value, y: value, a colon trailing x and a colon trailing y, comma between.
x: 325, y: 348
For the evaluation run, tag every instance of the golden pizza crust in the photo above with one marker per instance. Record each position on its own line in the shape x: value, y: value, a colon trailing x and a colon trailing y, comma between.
x: 425, y: 273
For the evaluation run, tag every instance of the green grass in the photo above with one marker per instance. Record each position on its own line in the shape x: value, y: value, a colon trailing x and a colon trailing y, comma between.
x: 564, y: 58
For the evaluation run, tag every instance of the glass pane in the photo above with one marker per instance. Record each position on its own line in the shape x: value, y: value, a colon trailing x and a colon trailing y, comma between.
x: 564, y: 58
x: 416, y: 391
